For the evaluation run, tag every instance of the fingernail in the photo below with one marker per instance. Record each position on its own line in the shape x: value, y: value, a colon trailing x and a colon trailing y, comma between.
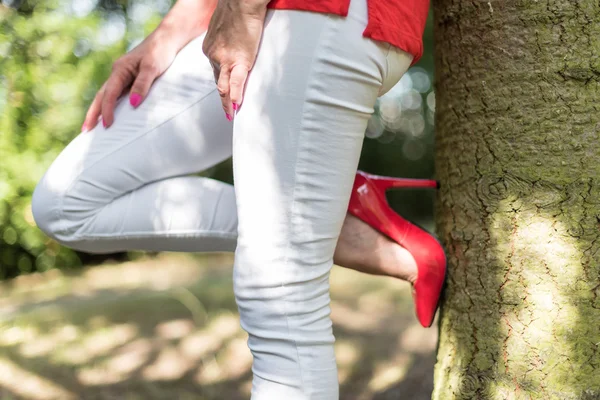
x: 236, y: 106
x: 104, y: 124
x: 135, y: 99
x: 84, y: 128
x: 229, y: 118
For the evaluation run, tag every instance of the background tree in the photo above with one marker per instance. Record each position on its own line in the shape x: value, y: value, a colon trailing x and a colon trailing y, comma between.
x: 518, y: 154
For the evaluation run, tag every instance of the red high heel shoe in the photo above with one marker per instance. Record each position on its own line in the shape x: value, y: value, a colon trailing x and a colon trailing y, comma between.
x: 368, y: 202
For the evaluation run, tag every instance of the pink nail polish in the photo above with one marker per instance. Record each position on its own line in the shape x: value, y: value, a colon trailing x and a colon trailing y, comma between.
x: 236, y: 106
x: 229, y: 118
x: 84, y: 128
x: 104, y: 124
x: 135, y: 99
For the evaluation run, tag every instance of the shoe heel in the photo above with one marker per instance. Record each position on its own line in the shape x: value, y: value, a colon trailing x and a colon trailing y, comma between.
x: 385, y: 183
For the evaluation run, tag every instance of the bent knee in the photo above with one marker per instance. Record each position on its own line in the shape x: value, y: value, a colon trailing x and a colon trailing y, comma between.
x: 58, y: 214
x: 45, y: 207
x: 53, y: 202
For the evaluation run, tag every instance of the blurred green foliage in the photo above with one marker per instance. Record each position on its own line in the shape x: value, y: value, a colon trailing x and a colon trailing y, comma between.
x: 54, y: 55
x: 51, y: 64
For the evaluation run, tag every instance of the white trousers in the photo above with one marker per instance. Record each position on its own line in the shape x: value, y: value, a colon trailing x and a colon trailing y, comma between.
x: 295, y: 143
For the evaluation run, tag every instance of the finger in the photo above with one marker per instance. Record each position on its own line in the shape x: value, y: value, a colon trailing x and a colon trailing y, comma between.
x: 114, y: 88
x: 223, y: 88
x: 142, y: 85
x: 216, y: 68
x: 91, y: 117
x: 239, y: 74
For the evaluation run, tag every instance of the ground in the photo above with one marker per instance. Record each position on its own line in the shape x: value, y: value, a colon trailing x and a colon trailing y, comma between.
x: 166, y: 327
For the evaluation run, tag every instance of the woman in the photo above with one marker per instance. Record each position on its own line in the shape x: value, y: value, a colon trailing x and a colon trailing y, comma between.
x: 298, y: 125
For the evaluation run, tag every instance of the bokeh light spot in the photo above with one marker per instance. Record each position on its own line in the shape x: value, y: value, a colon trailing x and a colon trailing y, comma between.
x: 412, y: 100
x: 112, y: 30
x: 431, y: 101
x: 374, y: 127
x: 82, y: 8
x: 420, y: 79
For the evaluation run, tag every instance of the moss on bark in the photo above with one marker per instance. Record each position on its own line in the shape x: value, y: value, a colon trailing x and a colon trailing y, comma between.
x: 518, y: 154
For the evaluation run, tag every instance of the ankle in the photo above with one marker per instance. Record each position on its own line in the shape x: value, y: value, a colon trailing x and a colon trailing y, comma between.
x: 362, y: 248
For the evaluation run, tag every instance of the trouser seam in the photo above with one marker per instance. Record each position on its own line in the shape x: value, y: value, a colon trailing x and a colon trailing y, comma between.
x: 143, y: 235
x: 294, y: 187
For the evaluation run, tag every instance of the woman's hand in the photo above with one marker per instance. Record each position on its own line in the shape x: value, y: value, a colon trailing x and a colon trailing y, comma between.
x: 231, y: 44
x: 140, y: 67
x: 137, y: 70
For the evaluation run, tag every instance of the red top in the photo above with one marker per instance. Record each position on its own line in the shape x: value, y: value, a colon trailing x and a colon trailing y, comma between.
x: 398, y: 22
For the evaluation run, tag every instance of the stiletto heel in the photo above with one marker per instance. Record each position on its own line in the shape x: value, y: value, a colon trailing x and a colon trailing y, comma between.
x: 368, y: 203
x: 384, y: 182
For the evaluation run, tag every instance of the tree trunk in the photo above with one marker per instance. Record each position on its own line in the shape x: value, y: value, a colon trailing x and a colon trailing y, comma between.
x: 518, y: 156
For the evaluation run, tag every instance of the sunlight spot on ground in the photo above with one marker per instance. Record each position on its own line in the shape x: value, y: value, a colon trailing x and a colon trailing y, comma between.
x: 99, y: 376
x: 38, y: 347
x: 73, y: 355
x: 232, y: 362
x: 17, y: 334
x: 199, y: 344
x: 97, y: 344
x: 104, y: 340
x: 67, y: 333
x: 347, y: 354
x: 210, y: 339
x: 42, y: 287
x: 416, y: 339
x: 45, y: 344
x: 175, y: 329
x: 390, y: 373
x: 348, y: 318
x: 225, y: 324
x: 209, y: 372
x: 118, y: 367
x: 29, y: 385
x: 169, y: 365
x: 235, y: 360
x: 130, y: 356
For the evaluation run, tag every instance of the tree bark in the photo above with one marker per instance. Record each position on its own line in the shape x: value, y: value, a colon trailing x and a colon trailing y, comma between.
x: 518, y: 156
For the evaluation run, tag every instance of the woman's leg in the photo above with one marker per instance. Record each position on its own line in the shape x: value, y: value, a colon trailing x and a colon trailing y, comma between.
x: 296, y: 144
x: 125, y: 188
x: 298, y: 138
